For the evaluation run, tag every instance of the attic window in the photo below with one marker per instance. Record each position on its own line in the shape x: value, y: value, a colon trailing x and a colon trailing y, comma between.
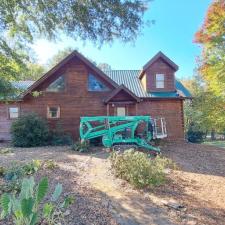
x: 58, y: 85
x: 160, y: 80
x: 96, y: 85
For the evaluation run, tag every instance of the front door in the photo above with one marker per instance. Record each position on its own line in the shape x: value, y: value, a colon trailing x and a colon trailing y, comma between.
x: 121, y: 111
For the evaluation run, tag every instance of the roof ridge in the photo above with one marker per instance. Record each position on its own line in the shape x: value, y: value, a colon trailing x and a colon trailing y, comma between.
x: 123, y: 70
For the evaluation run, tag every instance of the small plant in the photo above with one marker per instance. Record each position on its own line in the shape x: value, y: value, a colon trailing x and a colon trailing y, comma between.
x: 32, y: 167
x: 27, y: 208
x: 50, y: 164
x: 138, y: 169
x: 14, y: 173
x: 11, y: 187
x: 19, y: 171
x: 81, y: 146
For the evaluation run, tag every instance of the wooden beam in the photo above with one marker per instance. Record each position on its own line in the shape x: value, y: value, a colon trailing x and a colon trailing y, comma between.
x: 107, y: 106
x: 123, y: 103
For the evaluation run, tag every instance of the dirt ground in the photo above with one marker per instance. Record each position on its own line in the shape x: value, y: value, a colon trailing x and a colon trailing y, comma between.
x: 194, y: 193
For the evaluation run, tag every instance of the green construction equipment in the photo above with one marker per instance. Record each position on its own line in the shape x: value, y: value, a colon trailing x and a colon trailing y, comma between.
x: 123, y: 130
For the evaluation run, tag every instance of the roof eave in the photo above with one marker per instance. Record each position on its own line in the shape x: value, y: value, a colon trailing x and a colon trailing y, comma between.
x: 156, y: 57
x: 120, y: 88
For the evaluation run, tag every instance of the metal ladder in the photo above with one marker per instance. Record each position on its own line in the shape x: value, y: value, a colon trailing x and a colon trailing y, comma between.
x: 159, y: 128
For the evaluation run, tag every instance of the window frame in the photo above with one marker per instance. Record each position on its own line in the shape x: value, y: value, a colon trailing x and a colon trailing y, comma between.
x: 58, y: 113
x: 159, y: 81
x: 13, y: 118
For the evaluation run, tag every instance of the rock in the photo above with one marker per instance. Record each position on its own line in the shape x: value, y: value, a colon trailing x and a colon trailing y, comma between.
x: 191, y: 222
x: 105, y: 203
x: 174, y: 205
x: 67, y: 212
x: 167, y: 171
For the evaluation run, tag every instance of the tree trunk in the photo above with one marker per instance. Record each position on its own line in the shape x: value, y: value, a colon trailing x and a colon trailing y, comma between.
x: 213, y: 136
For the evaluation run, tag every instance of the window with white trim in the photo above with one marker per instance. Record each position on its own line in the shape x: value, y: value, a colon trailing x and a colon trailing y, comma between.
x: 160, y: 80
x: 53, y: 112
x: 121, y: 111
x: 13, y: 112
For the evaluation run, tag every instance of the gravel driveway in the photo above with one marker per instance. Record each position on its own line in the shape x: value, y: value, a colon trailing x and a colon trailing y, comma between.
x: 198, y: 186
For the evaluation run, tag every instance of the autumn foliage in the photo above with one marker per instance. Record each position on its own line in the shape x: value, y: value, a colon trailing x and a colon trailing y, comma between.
x: 211, y: 63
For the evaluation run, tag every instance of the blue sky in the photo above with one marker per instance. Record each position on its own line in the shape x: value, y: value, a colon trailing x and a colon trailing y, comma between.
x: 176, y: 22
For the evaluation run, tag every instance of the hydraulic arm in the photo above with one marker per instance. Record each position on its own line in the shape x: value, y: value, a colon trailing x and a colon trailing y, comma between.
x: 117, y: 130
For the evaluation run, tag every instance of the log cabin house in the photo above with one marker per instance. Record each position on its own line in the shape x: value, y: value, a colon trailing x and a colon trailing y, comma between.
x: 75, y: 87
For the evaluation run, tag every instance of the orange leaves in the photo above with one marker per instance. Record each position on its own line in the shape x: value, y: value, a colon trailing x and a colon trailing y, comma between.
x: 213, y: 26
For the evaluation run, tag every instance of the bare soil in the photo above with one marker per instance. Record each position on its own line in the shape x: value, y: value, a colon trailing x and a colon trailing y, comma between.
x: 197, y: 186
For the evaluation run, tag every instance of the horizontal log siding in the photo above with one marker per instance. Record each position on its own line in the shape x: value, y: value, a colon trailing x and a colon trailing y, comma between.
x: 75, y: 102
x: 171, y: 110
x: 160, y: 67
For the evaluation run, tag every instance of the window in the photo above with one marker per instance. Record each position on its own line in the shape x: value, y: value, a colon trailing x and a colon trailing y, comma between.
x: 121, y: 111
x: 96, y: 85
x: 13, y: 112
x: 53, y: 112
x: 57, y: 85
x: 159, y: 80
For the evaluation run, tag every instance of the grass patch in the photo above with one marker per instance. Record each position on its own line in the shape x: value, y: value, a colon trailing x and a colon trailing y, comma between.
x: 220, y: 144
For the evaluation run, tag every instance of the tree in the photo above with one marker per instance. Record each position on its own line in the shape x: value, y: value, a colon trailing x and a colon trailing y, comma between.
x: 204, y: 112
x: 61, y: 54
x: 104, y: 66
x: 24, y: 21
x: 98, y: 20
x: 33, y: 72
x: 211, y: 66
x: 9, y: 68
x: 212, y: 38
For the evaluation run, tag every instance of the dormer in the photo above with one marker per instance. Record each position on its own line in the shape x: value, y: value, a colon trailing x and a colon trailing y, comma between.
x: 158, y: 74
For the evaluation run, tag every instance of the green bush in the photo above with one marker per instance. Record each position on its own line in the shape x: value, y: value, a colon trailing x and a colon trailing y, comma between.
x: 59, y: 139
x: 195, y: 135
x: 138, y: 169
x: 29, y: 131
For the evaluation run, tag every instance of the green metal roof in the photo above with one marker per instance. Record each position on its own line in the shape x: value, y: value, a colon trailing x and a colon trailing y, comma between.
x: 20, y: 87
x: 129, y: 78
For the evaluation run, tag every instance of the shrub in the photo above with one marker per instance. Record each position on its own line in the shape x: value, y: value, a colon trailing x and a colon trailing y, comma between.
x: 138, y: 169
x: 32, y: 167
x: 81, y: 146
x: 59, y: 139
x: 195, y: 135
x: 26, y: 208
x: 29, y: 131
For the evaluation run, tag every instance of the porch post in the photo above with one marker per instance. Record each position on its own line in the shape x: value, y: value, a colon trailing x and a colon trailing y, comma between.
x: 107, y: 107
x: 136, y: 108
